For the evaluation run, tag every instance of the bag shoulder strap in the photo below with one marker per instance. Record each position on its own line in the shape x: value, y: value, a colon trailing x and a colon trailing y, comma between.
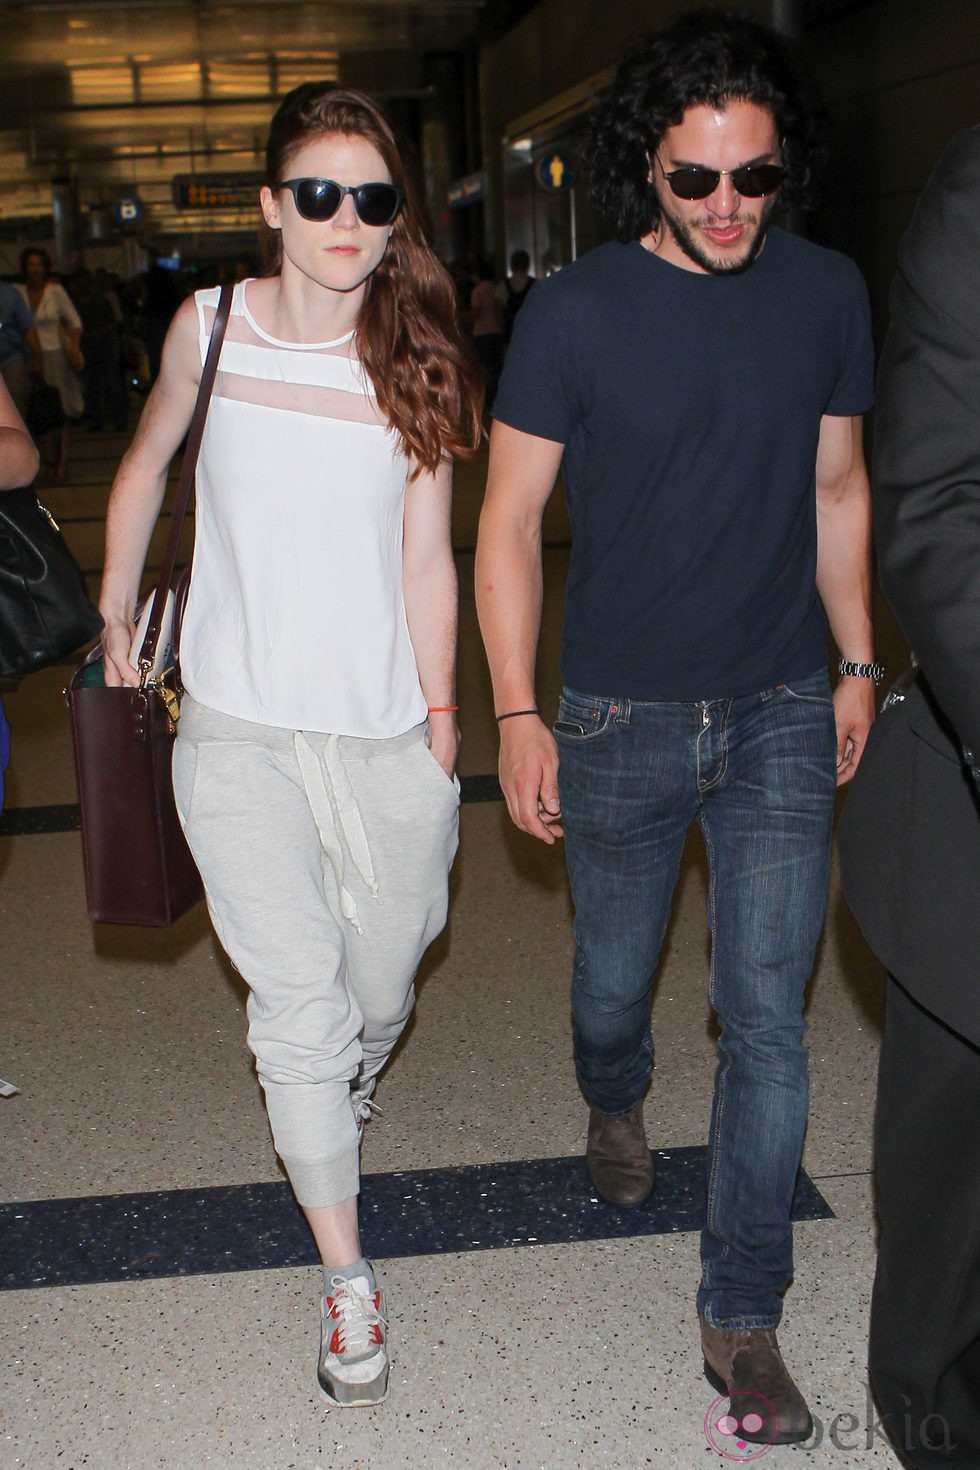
x: 187, y: 471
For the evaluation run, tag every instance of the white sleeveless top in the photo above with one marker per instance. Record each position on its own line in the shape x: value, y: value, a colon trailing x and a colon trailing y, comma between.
x: 296, y: 616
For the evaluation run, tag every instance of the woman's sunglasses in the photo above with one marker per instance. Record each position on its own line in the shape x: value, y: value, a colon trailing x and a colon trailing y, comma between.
x: 319, y: 199
x: 752, y: 180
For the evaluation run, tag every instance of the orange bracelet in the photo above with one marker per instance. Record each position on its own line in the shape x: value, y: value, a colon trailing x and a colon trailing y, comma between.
x: 443, y: 709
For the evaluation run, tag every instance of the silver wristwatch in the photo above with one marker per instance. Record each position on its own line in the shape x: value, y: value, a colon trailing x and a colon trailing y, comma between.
x: 875, y: 671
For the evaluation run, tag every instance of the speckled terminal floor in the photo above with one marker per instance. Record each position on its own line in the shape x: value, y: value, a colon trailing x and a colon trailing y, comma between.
x: 159, y: 1310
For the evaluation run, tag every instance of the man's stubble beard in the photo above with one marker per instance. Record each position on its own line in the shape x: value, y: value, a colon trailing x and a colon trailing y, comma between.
x: 683, y: 232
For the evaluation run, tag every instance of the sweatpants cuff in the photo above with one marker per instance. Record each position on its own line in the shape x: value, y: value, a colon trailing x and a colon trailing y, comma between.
x: 319, y: 1183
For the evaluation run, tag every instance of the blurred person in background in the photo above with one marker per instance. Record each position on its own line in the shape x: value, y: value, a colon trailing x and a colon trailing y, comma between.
x: 487, y: 329
x: 60, y: 329
x: 513, y: 292
x: 104, y: 394
x: 20, y: 345
x: 109, y: 285
x: 161, y: 298
x: 18, y: 466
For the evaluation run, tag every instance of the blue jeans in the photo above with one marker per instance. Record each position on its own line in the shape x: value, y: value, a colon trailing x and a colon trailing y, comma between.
x: 758, y: 774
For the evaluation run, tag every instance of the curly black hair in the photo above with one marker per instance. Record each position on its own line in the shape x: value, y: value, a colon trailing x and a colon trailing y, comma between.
x: 710, y: 57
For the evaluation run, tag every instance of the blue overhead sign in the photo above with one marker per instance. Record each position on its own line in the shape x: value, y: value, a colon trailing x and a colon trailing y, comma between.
x: 128, y: 211
x: 555, y: 172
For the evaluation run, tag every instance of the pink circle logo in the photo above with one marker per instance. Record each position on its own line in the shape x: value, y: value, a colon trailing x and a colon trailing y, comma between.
x: 738, y: 1439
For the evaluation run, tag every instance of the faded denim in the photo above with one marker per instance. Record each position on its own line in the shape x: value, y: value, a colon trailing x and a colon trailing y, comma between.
x: 758, y: 774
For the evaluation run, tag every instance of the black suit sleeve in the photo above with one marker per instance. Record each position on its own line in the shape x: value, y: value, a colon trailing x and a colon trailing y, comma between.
x: 927, y: 438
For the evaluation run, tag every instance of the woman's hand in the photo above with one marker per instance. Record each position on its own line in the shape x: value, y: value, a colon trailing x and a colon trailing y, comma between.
x: 444, y: 740
x: 117, y: 640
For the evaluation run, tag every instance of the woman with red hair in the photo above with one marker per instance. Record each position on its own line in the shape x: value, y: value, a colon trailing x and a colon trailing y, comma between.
x: 314, y: 768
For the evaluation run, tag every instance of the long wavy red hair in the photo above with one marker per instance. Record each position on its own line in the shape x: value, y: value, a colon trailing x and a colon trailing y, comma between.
x: 408, y: 336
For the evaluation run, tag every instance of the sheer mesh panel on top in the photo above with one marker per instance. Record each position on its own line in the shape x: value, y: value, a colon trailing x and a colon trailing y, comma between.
x: 323, y: 379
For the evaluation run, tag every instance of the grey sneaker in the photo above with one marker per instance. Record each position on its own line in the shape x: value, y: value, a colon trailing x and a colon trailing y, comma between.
x: 353, y: 1366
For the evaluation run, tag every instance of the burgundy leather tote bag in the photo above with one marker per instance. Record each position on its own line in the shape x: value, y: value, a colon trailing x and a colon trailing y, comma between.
x: 138, y: 868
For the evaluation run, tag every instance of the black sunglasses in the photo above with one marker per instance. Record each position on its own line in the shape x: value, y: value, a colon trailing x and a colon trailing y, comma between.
x: 319, y: 199
x: 753, y: 180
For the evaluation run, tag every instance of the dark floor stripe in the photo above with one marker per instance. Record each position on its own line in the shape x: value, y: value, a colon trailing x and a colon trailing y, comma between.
x: 480, y: 788
x: 33, y: 821
x: 37, y: 821
x: 252, y: 1227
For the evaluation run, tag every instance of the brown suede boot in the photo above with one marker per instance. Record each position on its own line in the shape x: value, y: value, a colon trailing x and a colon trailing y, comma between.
x: 746, y: 1364
x: 619, y: 1162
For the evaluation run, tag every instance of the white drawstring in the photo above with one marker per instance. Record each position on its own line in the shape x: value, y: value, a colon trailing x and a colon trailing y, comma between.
x: 335, y: 810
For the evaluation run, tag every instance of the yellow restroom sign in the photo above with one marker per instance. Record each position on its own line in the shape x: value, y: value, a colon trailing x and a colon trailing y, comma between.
x: 555, y: 171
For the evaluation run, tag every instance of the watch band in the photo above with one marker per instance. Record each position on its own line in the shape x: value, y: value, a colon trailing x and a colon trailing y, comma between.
x: 875, y: 671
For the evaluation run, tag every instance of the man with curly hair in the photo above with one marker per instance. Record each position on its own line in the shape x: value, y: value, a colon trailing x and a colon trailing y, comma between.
x: 700, y: 382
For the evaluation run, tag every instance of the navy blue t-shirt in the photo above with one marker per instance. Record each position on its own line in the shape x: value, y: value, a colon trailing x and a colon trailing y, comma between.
x: 689, y: 406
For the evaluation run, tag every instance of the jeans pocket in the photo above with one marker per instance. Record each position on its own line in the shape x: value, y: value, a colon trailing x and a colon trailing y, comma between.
x: 583, y: 718
x: 814, y: 689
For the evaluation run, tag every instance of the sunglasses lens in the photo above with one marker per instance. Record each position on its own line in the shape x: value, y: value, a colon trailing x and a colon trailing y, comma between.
x: 754, y: 181
x: 758, y: 179
x: 693, y: 183
x: 317, y: 199
x: 320, y: 199
x: 377, y: 204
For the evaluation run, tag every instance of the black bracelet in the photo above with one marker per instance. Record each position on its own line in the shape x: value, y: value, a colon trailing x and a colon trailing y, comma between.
x: 512, y: 714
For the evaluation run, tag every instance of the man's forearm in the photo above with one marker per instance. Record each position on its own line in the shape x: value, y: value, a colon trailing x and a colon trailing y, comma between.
x: 509, y: 590
x: 844, y: 569
x: 844, y: 585
x: 509, y: 593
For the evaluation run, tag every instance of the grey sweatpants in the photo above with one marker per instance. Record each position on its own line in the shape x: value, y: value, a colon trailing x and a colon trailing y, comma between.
x: 325, y: 861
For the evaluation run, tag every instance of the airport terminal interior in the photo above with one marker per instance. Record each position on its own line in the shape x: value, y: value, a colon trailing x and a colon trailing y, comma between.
x: 159, y: 1309
x: 161, y: 1303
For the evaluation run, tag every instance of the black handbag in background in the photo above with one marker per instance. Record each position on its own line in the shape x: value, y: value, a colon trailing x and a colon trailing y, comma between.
x: 45, y: 609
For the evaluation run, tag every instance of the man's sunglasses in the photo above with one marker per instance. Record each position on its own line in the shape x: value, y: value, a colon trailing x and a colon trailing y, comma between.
x: 319, y: 199
x: 752, y: 180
